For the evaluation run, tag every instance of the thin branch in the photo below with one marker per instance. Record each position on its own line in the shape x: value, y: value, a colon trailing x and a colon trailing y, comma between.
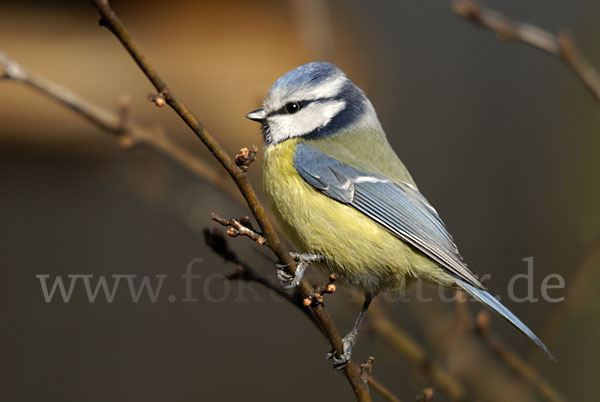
x: 386, y: 393
x: 561, y: 45
x: 240, y: 227
x: 366, y: 370
x: 110, y: 20
x: 119, y: 124
x: 482, y: 328
x: 415, y: 354
x: 514, y: 362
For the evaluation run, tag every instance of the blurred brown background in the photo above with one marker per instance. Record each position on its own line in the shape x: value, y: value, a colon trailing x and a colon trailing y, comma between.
x: 502, y: 138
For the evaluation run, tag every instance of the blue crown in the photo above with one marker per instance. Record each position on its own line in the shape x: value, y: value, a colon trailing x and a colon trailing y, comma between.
x: 307, y: 75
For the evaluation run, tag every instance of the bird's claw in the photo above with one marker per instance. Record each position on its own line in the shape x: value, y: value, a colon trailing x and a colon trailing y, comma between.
x: 289, y: 281
x: 340, y: 362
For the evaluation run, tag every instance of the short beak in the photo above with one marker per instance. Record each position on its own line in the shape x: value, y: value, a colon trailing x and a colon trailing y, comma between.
x: 257, y: 115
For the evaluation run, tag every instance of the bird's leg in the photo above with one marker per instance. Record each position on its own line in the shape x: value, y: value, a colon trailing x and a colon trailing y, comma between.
x: 304, y: 260
x: 350, y: 339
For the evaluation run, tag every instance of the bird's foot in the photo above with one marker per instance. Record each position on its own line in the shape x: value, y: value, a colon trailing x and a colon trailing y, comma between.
x: 349, y: 341
x: 289, y: 281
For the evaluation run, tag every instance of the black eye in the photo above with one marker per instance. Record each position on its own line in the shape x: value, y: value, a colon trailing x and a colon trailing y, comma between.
x: 292, y: 107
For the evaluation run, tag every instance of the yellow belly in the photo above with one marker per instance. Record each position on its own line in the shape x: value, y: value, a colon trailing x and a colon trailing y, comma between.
x: 357, y: 249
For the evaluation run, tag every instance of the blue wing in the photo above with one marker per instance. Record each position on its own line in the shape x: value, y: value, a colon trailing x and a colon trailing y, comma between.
x: 404, y: 211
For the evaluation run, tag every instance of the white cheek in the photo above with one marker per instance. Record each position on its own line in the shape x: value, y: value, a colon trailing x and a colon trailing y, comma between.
x: 314, y: 116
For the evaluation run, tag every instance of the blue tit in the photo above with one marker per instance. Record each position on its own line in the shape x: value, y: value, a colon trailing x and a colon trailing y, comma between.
x: 343, y: 196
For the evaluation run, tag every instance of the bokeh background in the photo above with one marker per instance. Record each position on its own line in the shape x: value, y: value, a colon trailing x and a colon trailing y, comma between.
x: 502, y: 138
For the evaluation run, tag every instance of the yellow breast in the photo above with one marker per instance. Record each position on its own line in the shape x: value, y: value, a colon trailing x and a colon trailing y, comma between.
x: 357, y: 249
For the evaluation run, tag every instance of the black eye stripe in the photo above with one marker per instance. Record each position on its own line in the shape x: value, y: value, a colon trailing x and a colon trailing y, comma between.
x: 302, y: 104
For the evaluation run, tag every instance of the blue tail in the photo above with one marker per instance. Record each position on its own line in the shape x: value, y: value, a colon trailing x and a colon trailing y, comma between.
x: 491, y: 302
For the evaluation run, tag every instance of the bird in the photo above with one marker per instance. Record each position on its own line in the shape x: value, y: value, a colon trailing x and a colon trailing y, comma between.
x: 347, y: 202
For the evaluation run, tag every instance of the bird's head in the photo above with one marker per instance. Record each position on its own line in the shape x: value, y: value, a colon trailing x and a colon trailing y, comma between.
x: 312, y: 101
